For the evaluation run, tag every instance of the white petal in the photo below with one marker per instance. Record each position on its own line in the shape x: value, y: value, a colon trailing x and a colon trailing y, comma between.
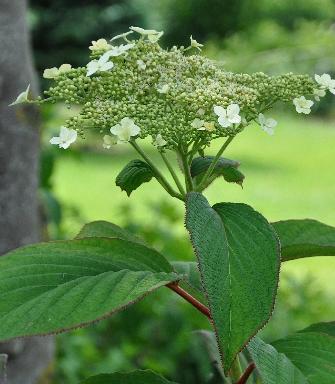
x: 261, y: 118
x: 122, y: 35
x: 107, y: 66
x: 92, y: 67
x: 233, y: 109
x: 55, y: 140
x: 234, y: 119
x: 224, y: 122
x: 271, y: 123
x: 220, y: 111
x: 115, y: 129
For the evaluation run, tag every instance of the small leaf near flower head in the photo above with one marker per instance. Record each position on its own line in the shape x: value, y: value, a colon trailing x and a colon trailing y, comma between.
x: 195, y: 44
x: 99, y: 65
x: 141, y: 64
x: 318, y: 93
x: 125, y: 130
x: 121, y: 36
x: 153, y: 38
x: 22, y: 98
x: 65, y: 139
x: 159, y: 141
x: 326, y: 82
x: 229, y: 116
x: 163, y: 88
x: 302, y: 105
x: 109, y: 141
x: 198, y: 124
x: 267, y: 124
x: 99, y: 45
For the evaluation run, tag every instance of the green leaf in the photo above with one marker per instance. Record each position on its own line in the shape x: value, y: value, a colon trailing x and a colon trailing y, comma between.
x: 190, y: 279
x: 312, y: 350
x: 135, y: 377
x: 53, y: 287
x: 305, y: 238
x: 239, y: 259
x: 189, y: 269
x: 274, y: 367
x: 201, y: 164
x: 225, y: 167
x: 134, y: 174
x: 106, y: 229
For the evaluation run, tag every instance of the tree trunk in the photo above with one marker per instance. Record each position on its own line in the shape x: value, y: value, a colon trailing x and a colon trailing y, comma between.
x: 19, y: 152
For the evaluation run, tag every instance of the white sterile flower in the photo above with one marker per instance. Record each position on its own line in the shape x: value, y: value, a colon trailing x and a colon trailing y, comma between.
x: 125, y: 130
x: 164, y: 88
x: 99, y: 45
x: 109, y: 140
x: 195, y: 44
x: 65, y: 139
x: 159, y: 141
x: 198, y: 124
x: 99, y: 65
x: 152, y: 35
x: 326, y: 82
x: 52, y: 73
x: 267, y: 124
x: 22, y: 98
x: 229, y: 116
x: 121, y: 36
x: 302, y: 105
x: 318, y: 93
x: 117, y: 51
x: 141, y: 64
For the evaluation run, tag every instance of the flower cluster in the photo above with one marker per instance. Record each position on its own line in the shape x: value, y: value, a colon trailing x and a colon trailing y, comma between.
x: 139, y: 89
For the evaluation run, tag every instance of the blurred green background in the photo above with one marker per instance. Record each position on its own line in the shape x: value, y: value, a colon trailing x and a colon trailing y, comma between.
x: 289, y: 175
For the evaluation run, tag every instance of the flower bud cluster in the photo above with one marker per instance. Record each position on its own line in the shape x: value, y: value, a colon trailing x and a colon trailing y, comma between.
x: 168, y: 94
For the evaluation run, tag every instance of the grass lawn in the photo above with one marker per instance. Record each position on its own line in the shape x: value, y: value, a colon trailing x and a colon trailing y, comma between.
x: 288, y: 175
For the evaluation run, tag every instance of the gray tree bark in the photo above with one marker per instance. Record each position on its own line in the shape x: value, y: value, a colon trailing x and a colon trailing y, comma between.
x: 19, y: 152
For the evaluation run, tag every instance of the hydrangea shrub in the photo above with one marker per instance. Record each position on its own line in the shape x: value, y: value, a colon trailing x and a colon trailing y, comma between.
x: 133, y: 89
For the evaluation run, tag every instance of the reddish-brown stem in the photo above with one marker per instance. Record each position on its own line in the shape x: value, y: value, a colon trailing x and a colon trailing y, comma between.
x: 243, y: 379
x: 192, y: 300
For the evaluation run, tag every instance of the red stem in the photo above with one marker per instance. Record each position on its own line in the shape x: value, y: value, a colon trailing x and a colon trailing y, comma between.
x: 192, y: 300
x: 204, y: 310
x: 243, y: 379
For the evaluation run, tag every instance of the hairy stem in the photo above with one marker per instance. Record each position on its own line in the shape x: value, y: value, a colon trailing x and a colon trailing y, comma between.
x: 187, y: 171
x: 188, y: 297
x: 173, y: 173
x: 210, y: 169
x: 244, y: 378
x: 160, y: 178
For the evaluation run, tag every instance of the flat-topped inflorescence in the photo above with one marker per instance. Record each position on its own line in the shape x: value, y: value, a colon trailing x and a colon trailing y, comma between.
x: 172, y: 93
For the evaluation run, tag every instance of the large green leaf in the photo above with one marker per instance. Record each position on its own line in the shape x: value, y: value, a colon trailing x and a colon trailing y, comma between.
x: 312, y: 350
x: 53, y: 287
x: 305, y: 238
x: 224, y: 167
x: 135, y: 377
x: 274, y: 367
x: 134, y: 174
x: 239, y: 259
x: 106, y: 229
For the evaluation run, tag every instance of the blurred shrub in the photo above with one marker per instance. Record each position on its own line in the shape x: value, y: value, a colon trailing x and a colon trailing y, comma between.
x: 61, y: 30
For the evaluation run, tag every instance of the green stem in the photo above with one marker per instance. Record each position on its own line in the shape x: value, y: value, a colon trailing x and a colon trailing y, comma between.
x: 160, y: 178
x: 173, y: 173
x: 187, y: 171
x: 236, y: 370
x: 210, y: 169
